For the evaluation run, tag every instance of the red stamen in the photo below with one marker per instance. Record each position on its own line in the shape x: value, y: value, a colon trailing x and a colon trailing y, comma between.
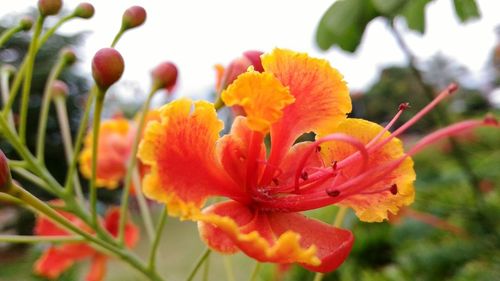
x: 333, y: 137
x: 252, y: 161
x: 401, y: 109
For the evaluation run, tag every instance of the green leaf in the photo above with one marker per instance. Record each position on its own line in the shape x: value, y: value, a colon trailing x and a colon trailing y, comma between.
x: 466, y: 10
x: 414, y: 14
x: 389, y: 7
x: 344, y: 23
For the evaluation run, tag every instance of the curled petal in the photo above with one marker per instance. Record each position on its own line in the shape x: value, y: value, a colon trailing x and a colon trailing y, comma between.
x: 115, y: 144
x: 373, y: 200
x: 321, y: 97
x: 180, y: 150
x: 229, y: 226
x: 261, y: 95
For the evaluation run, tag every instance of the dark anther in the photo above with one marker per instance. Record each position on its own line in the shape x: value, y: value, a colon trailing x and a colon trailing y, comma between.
x: 318, y: 148
x: 333, y: 193
x: 304, y: 175
x: 276, y: 181
x: 394, y: 189
x: 404, y: 106
x: 334, y: 165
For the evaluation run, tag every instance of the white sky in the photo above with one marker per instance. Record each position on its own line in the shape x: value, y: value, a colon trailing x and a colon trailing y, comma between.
x: 198, y: 34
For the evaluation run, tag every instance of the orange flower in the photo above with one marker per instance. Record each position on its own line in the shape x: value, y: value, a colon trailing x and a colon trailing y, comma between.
x: 115, y: 144
x: 56, y: 259
x: 353, y: 162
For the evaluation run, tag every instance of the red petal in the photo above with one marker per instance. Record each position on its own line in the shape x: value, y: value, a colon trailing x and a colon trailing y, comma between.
x: 111, y: 223
x: 333, y: 244
x: 58, y: 259
x: 97, y: 268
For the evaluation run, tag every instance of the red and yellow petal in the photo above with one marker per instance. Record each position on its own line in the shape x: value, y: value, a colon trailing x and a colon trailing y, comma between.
x: 321, y: 98
x: 373, y: 206
x: 115, y: 144
x: 261, y: 95
x: 333, y: 244
x: 231, y: 226
x: 181, y: 153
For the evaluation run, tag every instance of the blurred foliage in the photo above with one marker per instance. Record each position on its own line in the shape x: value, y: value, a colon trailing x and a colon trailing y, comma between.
x: 344, y: 23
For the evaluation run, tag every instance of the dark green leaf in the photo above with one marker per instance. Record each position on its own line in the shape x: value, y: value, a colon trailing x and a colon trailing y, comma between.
x: 344, y: 23
x: 414, y: 14
x: 466, y: 10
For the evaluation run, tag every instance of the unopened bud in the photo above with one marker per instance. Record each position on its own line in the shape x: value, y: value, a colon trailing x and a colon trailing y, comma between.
x: 235, y: 68
x: 59, y: 89
x: 107, y: 67
x: 165, y: 76
x: 68, y: 55
x: 5, y: 177
x: 84, y: 10
x: 26, y: 23
x: 133, y: 17
x: 254, y: 57
x: 49, y: 7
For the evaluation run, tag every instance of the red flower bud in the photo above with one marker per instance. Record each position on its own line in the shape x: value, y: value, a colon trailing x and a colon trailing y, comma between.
x: 133, y: 17
x: 59, y: 89
x: 235, y: 68
x: 5, y: 177
x: 68, y: 55
x: 107, y: 67
x: 84, y: 10
x: 165, y: 76
x: 26, y: 23
x: 49, y: 7
x: 254, y: 57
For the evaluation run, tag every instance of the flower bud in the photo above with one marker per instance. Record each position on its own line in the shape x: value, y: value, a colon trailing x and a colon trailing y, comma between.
x: 235, y: 68
x: 107, y: 67
x: 133, y: 17
x: 26, y: 23
x: 84, y: 10
x: 49, y: 7
x: 68, y: 55
x: 5, y: 177
x: 254, y: 57
x: 164, y: 76
x: 59, y: 89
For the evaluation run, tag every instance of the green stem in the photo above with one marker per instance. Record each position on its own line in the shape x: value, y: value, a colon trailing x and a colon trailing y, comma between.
x: 22, y: 68
x: 143, y: 206
x: 62, y: 117
x: 39, y: 239
x: 7, y: 72
x: 39, y: 170
x: 95, y: 145
x: 198, y: 264
x: 131, y: 165
x: 156, y: 242
x: 206, y: 269
x: 339, y: 220
x: 32, y: 178
x: 117, y: 37
x: 8, y: 33
x: 44, y: 110
x: 62, y: 222
x: 255, y: 272
x: 28, y: 75
x: 52, y: 30
x: 6, y: 198
x: 228, y: 267
x: 79, y: 139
